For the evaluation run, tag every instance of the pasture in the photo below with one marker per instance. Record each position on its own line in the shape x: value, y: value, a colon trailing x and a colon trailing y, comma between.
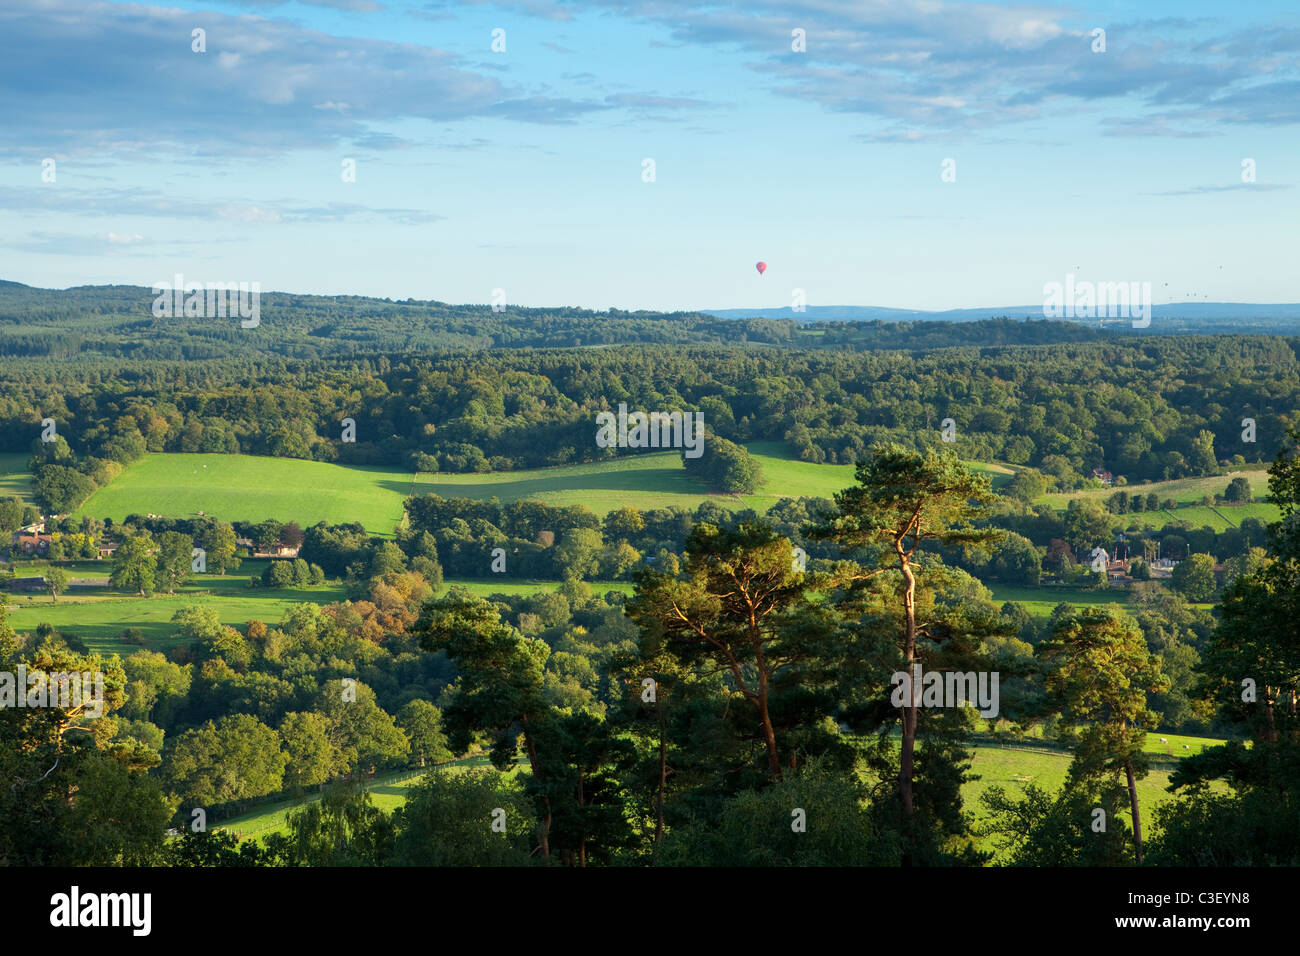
x: 387, y: 791
x: 98, y: 615
x: 1040, y: 601
x: 15, y: 479
x: 647, y: 480
x: 254, y: 488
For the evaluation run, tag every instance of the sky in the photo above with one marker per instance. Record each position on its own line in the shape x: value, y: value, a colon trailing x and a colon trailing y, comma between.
x: 639, y: 154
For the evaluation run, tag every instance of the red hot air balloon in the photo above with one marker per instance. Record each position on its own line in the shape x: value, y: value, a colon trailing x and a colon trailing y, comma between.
x: 761, y: 267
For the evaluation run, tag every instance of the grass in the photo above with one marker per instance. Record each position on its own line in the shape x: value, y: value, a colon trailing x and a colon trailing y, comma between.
x: 1187, y: 493
x: 658, y: 480
x: 484, y: 587
x: 254, y: 488
x: 1181, y: 490
x: 1013, y: 768
x: 998, y: 473
x: 1041, y: 601
x: 98, y: 615
x: 15, y: 479
x: 1197, y: 516
x: 653, y: 480
x: 1174, y: 748
x: 1223, y: 517
x: 387, y: 791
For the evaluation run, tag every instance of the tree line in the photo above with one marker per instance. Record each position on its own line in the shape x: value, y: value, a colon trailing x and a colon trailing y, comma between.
x: 1145, y: 409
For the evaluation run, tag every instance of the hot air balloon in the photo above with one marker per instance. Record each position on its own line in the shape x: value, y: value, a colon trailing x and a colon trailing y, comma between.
x: 761, y: 267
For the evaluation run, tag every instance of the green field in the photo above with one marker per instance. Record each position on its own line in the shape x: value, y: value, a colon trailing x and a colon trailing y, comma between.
x: 1181, y: 490
x: 1223, y: 517
x: 253, y: 488
x: 485, y: 587
x: 1014, y: 768
x: 1188, y: 494
x: 1197, y: 516
x: 387, y: 791
x: 98, y: 615
x: 15, y: 479
x: 1040, y: 601
x: 644, y: 481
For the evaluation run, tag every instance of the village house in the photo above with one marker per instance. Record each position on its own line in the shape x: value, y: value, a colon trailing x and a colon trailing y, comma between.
x: 31, y: 543
x: 279, y: 551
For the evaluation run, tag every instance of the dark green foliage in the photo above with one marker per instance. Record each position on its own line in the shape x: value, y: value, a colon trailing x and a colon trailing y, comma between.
x: 448, y: 818
x: 60, y: 489
x: 1238, y: 491
x: 1039, y: 829
x: 342, y: 828
x: 758, y: 828
x: 725, y: 467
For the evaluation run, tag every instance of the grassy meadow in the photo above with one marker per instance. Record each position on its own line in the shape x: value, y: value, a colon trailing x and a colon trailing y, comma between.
x: 649, y: 480
x: 1040, y: 601
x: 249, y: 487
x: 387, y: 791
x: 15, y: 479
x: 254, y: 488
x: 1181, y: 490
x: 98, y: 615
x: 1187, y: 493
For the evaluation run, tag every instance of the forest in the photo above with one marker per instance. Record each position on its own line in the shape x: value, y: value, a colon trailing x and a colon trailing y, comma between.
x: 1146, y: 409
x: 724, y: 696
x: 733, y: 710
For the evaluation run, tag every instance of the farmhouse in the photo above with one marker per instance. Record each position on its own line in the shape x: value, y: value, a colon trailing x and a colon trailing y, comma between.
x: 1104, y: 476
x: 31, y: 543
x: 278, y: 551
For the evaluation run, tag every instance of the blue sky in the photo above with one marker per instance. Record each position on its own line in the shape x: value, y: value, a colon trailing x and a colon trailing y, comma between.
x: 522, y: 170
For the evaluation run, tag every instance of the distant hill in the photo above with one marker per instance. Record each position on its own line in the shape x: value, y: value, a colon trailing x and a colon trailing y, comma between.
x: 116, y: 322
x: 870, y: 313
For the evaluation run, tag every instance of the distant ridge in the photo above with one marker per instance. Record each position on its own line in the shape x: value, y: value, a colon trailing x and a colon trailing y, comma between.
x: 872, y: 313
